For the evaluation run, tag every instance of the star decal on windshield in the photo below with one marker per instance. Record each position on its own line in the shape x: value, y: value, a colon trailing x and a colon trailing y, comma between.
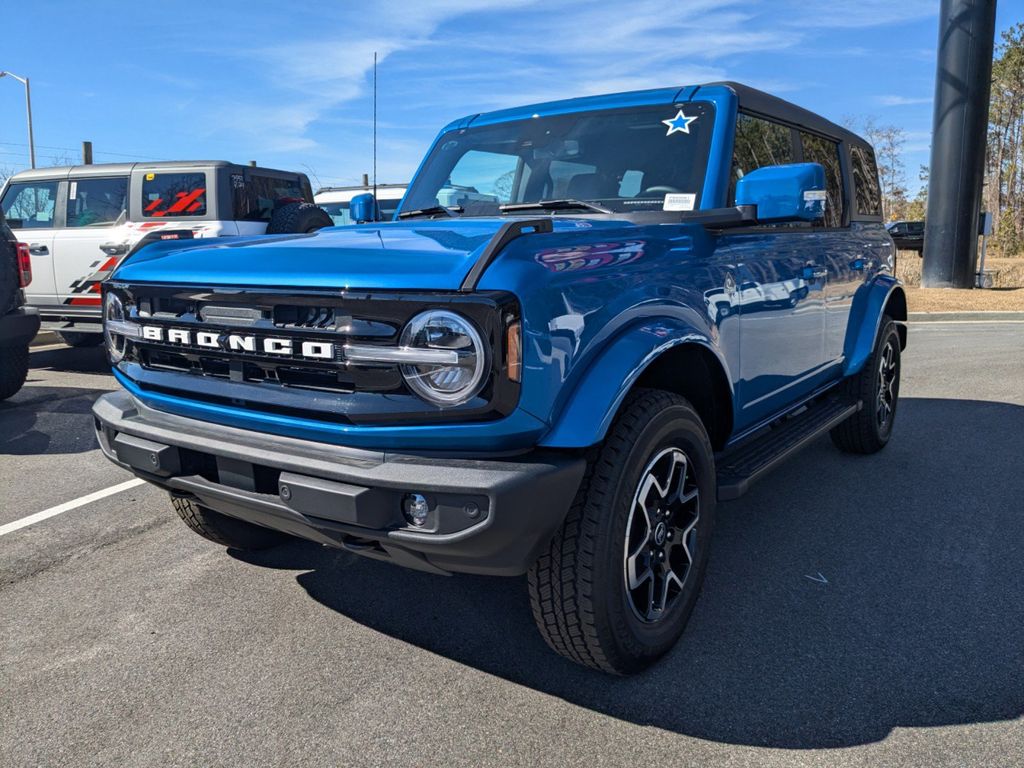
x: 680, y: 123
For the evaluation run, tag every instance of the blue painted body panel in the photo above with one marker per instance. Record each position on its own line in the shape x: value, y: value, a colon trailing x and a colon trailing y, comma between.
x: 784, y: 311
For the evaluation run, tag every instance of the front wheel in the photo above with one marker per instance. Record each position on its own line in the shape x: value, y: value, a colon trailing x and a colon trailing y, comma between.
x: 877, y: 386
x: 616, y: 587
x: 224, y: 530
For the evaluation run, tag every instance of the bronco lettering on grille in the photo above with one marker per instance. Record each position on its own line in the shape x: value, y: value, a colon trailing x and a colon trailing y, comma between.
x: 239, y: 342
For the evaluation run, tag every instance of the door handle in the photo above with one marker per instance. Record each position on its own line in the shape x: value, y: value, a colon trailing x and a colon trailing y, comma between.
x: 114, y: 249
x: 38, y: 250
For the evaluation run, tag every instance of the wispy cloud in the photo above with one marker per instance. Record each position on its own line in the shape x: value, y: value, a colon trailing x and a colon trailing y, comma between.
x: 893, y: 100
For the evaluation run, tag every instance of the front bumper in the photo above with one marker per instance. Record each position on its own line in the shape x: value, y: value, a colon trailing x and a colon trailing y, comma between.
x: 18, y: 327
x: 488, y: 516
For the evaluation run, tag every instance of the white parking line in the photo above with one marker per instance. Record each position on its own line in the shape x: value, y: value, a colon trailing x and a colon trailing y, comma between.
x: 67, y: 506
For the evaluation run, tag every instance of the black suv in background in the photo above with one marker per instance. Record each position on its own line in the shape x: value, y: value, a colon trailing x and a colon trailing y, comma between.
x: 18, y: 324
x: 908, y: 235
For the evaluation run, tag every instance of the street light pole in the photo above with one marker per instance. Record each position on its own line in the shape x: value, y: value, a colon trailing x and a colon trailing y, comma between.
x: 28, y: 110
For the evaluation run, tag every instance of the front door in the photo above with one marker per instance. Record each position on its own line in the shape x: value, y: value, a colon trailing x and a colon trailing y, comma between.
x: 96, y: 214
x: 30, y: 208
x: 781, y: 297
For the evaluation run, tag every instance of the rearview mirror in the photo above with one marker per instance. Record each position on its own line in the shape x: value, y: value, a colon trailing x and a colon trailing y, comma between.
x: 793, y: 192
x: 363, y: 208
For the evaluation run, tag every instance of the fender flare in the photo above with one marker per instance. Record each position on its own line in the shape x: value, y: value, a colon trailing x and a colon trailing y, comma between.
x: 869, y: 307
x: 587, y: 414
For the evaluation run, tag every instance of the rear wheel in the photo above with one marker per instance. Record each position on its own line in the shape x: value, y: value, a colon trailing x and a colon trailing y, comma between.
x: 226, y: 531
x: 13, y: 369
x: 298, y: 218
x: 616, y: 587
x: 877, y: 386
x: 79, y: 339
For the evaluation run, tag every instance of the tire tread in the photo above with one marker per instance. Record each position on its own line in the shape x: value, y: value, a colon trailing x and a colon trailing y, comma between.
x: 561, y: 581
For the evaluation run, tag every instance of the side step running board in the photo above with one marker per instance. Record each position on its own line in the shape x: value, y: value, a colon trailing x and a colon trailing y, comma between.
x: 739, y: 467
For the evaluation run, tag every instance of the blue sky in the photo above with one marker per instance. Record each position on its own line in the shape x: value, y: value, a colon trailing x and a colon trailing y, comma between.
x: 288, y: 84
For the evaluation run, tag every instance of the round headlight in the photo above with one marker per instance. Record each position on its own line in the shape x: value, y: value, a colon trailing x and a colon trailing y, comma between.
x: 113, y: 310
x: 448, y: 383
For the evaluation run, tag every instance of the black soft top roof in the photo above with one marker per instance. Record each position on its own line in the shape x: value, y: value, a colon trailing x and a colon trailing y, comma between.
x: 759, y: 102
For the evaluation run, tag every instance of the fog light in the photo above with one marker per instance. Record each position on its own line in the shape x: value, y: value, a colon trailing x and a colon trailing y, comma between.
x: 415, y: 509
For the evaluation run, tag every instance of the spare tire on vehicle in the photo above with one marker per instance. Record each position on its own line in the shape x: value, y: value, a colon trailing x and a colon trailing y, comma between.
x: 8, y: 275
x: 298, y: 218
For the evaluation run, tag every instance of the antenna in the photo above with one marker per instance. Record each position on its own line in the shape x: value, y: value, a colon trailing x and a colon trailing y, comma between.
x: 375, y: 124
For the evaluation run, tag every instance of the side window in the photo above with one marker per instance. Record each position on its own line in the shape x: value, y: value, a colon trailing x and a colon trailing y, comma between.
x: 758, y: 143
x: 256, y: 197
x: 97, y: 202
x: 173, y: 194
x: 825, y: 152
x: 865, y: 182
x: 30, y: 205
x: 480, y: 176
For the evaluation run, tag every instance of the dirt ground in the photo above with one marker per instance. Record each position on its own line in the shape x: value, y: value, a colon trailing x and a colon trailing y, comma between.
x: 1006, y: 296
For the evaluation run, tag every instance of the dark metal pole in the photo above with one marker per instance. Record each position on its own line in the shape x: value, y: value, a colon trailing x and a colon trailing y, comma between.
x: 962, y: 85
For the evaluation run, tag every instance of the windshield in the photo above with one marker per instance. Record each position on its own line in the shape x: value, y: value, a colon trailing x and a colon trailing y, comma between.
x: 339, y: 212
x: 623, y: 160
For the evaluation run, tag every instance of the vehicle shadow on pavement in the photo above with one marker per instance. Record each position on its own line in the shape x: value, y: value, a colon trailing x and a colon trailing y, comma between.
x: 846, y: 596
x: 69, y: 360
x: 43, y: 419
x: 48, y: 420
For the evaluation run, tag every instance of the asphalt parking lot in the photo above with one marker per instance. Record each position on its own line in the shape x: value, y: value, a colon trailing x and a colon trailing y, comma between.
x: 857, y: 611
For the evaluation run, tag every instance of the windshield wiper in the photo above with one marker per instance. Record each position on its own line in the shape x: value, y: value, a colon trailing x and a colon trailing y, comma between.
x: 432, y: 210
x: 566, y: 204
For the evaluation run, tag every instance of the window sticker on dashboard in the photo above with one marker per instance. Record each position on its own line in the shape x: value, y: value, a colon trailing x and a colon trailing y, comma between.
x: 679, y: 201
x: 678, y: 124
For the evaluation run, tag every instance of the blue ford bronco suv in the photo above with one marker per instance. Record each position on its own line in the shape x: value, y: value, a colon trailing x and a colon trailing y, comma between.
x: 589, y: 321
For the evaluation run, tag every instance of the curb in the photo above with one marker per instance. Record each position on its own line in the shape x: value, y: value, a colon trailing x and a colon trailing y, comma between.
x: 938, y: 317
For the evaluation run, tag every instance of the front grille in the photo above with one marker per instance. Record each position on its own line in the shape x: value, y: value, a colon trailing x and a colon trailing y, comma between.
x: 307, y: 380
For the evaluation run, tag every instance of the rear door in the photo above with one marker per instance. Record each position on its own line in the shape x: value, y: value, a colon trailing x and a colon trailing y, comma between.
x: 31, y: 210
x: 95, y: 217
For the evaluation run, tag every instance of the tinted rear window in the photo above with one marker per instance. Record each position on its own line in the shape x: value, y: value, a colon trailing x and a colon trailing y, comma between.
x: 173, y: 194
x: 865, y: 182
x: 256, y: 197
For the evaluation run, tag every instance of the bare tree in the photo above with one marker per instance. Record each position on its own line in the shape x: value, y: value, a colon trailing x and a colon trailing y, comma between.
x: 888, y: 141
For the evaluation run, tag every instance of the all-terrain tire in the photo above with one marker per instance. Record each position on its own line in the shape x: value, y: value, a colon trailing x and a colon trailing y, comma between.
x: 80, y: 339
x: 877, y: 386
x: 8, y: 274
x: 224, y: 530
x: 298, y: 218
x: 578, y: 586
x: 13, y: 369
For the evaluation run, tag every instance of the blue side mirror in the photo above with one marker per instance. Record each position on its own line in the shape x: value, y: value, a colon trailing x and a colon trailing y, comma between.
x: 364, y: 208
x: 793, y: 192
